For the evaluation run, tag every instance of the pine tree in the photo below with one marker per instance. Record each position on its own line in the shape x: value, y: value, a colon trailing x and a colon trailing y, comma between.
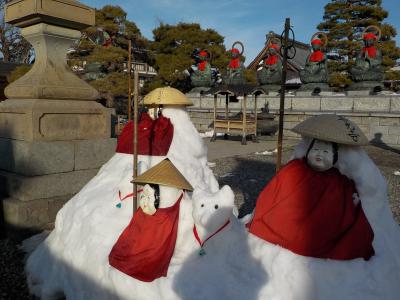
x: 105, y: 45
x: 344, y: 22
x: 173, y: 46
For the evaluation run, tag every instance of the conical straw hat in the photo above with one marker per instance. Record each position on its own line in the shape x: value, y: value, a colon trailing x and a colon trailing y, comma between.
x: 166, y: 96
x: 332, y: 128
x: 164, y: 173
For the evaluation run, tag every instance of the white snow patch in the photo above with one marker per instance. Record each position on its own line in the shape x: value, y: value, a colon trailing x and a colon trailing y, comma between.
x: 73, y: 260
x: 267, y: 152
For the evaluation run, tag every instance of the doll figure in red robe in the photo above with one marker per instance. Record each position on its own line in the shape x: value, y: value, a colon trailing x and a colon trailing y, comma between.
x: 235, y: 70
x: 316, y: 70
x: 144, y: 249
x: 311, y: 209
x: 271, y: 70
x: 368, y: 63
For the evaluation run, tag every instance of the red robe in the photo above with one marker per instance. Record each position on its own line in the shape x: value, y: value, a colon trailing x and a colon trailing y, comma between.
x: 271, y: 60
x: 145, y: 248
x: 312, y: 213
x: 317, y: 56
x: 371, y: 51
x: 154, y: 136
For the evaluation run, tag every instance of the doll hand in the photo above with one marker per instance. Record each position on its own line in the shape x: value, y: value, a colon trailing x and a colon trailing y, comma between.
x: 356, y: 199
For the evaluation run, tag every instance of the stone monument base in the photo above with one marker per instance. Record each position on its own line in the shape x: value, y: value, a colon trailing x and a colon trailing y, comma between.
x: 38, y: 178
x: 314, y: 89
x: 365, y: 88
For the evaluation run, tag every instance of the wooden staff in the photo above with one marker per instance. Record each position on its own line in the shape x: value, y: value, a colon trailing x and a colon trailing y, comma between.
x: 129, y: 80
x: 282, y: 99
x: 135, y: 136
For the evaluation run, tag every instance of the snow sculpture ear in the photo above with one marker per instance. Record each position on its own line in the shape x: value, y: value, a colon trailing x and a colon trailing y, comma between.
x: 212, y: 210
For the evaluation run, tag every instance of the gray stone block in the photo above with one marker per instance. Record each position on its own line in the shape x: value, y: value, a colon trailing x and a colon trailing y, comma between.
x: 395, y: 104
x: 38, y: 214
x: 384, y: 130
x: 394, y: 130
x: 390, y: 121
x: 372, y: 104
x: 306, y: 93
x: 36, y: 158
x: 92, y: 154
x: 337, y: 104
x: 306, y: 104
x: 274, y: 103
x: 27, y: 188
x: 352, y: 93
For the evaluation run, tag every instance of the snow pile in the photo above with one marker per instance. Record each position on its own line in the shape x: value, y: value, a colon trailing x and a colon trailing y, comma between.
x: 73, y: 260
x: 267, y: 152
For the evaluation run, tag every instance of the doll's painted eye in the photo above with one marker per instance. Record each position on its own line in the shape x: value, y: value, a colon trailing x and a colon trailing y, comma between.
x: 216, y: 206
x: 202, y: 205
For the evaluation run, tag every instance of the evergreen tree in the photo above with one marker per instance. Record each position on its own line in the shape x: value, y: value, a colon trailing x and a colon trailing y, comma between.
x: 13, y: 47
x: 173, y: 46
x: 344, y: 22
x: 104, y: 48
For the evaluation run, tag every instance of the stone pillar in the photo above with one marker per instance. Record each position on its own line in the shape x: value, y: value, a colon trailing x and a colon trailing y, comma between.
x: 54, y: 136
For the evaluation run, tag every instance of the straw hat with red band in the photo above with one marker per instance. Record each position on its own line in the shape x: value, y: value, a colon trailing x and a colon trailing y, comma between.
x: 164, y: 173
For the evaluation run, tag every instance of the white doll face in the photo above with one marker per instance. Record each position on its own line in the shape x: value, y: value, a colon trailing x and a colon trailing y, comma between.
x: 320, y: 156
x: 147, y: 200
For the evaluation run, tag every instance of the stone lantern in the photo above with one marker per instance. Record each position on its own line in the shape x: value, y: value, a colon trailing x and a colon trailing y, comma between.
x: 53, y: 134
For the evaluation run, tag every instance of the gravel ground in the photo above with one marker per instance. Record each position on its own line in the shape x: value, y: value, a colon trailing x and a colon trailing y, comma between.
x: 247, y: 175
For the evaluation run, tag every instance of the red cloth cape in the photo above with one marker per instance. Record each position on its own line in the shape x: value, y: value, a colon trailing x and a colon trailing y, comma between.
x: 202, y: 65
x: 154, y: 137
x: 144, y: 249
x: 235, y: 63
x: 271, y: 60
x: 317, y: 56
x: 312, y: 214
x: 371, y: 51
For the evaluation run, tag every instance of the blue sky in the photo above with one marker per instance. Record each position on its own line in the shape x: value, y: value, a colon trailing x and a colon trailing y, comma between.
x: 247, y: 21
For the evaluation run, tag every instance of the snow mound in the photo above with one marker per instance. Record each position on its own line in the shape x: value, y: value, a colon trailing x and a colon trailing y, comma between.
x: 73, y: 260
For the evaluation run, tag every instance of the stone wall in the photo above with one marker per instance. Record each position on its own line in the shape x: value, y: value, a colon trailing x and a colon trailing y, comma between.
x: 377, y: 116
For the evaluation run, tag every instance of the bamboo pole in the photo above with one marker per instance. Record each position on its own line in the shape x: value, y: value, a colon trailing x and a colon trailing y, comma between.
x: 282, y: 99
x: 135, y: 136
x: 129, y: 80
